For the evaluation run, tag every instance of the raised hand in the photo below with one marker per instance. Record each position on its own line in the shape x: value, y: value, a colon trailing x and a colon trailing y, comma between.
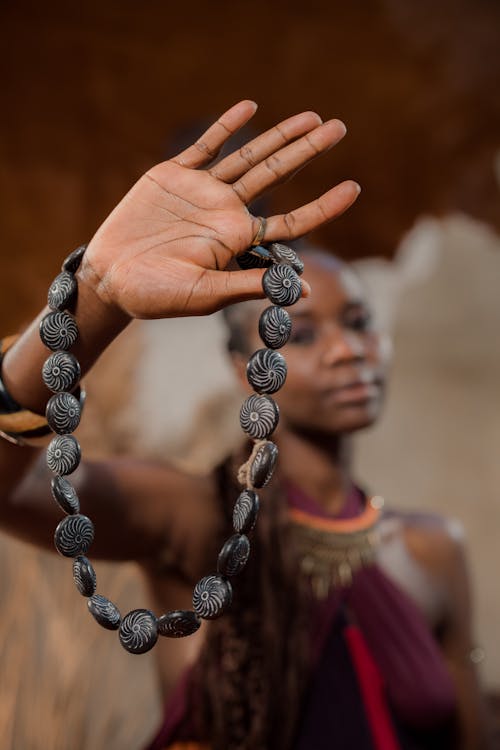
x: 163, y: 250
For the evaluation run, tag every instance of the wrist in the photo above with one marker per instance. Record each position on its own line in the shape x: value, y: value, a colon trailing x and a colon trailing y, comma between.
x: 99, y: 322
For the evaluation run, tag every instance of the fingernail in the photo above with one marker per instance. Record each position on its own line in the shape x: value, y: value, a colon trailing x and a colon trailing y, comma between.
x: 306, y: 289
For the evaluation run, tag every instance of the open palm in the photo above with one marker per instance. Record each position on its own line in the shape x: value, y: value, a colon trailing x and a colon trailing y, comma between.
x: 163, y: 250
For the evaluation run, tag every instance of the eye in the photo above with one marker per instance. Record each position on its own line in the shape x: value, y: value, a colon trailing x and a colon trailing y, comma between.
x: 361, y: 321
x: 302, y: 335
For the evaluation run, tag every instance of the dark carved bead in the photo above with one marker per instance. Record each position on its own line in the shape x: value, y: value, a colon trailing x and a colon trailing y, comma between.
x: 58, y: 330
x: 62, y: 291
x: 61, y: 372
x: 275, y: 327
x: 266, y: 371
x: 246, y: 509
x: 262, y: 467
x: 284, y: 254
x: 63, y: 454
x: 178, y: 623
x: 104, y: 612
x: 84, y: 576
x: 63, y: 413
x: 65, y: 495
x: 138, y: 631
x: 211, y: 597
x: 234, y: 555
x: 257, y: 257
x: 74, y: 535
x: 72, y: 262
x: 282, y: 285
x: 259, y: 416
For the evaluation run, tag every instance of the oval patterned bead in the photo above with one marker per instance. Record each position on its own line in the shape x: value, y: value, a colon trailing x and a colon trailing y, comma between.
x: 178, y: 623
x: 58, y: 330
x: 257, y: 257
x: 104, y: 612
x: 65, y: 495
x: 259, y: 416
x: 284, y: 254
x: 84, y: 576
x: 212, y: 595
x: 262, y: 466
x: 275, y: 327
x: 63, y: 413
x: 62, y: 291
x: 138, y: 631
x: 245, y: 512
x: 234, y: 555
x: 282, y: 285
x: 72, y: 262
x: 63, y: 454
x: 266, y: 371
x: 74, y: 535
x: 61, y: 372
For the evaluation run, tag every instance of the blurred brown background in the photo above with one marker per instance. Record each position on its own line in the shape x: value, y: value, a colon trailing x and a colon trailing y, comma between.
x: 92, y: 94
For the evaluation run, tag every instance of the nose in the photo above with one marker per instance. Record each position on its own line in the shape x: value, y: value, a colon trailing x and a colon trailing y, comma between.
x: 343, y: 346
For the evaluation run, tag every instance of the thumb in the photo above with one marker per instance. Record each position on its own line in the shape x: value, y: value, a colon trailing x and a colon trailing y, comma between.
x: 230, y: 287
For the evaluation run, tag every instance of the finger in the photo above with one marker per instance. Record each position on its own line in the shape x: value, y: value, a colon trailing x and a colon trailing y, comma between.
x: 209, y: 144
x: 221, y: 288
x: 236, y: 164
x: 285, y: 162
x: 313, y: 215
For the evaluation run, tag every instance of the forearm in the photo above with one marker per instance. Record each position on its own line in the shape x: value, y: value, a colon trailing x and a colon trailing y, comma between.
x: 98, y: 324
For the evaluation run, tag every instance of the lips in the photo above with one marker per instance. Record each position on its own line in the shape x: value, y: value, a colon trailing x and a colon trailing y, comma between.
x: 360, y: 390
x: 356, y: 393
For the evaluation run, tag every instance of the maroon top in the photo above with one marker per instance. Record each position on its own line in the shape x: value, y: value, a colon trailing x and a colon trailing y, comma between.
x: 416, y: 685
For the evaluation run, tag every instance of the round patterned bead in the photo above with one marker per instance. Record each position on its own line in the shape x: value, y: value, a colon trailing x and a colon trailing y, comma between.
x: 58, y: 330
x: 275, y: 327
x: 138, y: 631
x: 63, y: 413
x: 63, y: 454
x: 211, y: 597
x: 65, y: 495
x: 258, y: 257
x: 178, y: 623
x: 284, y: 254
x: 259, y: 416
x: 74, y: 535
x: 62, y: 291
x: 245, y: 511
x: 262, y: 466
x: 266, y: 371
x: 282, y: 285
x: 72, y: 262
x: 61, y: 372
x: 104, y: 612
x: 84, y: 576
x: 234, y: 555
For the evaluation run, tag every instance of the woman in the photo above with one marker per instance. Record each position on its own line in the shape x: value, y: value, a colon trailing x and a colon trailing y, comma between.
x: 302, y: 629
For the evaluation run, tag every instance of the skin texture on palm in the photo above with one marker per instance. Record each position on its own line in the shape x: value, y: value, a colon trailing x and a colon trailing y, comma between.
x: 163, y: 250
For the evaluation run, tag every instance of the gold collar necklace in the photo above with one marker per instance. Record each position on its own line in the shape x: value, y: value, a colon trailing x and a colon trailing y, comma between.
x: 332, y: 550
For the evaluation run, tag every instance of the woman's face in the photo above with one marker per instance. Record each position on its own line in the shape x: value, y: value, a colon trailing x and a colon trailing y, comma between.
x: 337, y: 362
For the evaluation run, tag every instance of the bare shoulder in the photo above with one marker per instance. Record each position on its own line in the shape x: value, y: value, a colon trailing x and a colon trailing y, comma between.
x: 436, y: 542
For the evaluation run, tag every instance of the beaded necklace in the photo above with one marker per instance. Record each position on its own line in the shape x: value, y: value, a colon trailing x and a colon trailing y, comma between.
x: 139, y: 629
